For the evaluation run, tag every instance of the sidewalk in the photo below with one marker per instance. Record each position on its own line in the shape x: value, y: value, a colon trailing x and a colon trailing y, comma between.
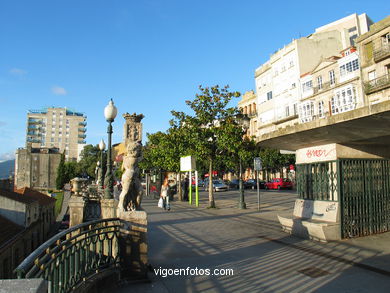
x: 263, y: 258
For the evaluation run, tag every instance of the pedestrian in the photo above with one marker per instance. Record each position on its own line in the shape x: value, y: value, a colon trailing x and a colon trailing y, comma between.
x: 164, y: 194
x: 184, y: 186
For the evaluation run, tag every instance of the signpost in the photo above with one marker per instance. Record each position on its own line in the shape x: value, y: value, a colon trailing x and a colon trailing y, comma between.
x: 257, y: 167
x: 188, y: 164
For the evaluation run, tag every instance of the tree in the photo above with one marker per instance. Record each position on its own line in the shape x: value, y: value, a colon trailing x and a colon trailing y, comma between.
x: 60, y: 179
x: 273, y: 160
x: 89, y: 157
x: 202, y: 130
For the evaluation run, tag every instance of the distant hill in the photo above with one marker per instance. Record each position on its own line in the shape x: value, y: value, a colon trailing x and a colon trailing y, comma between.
x: 6, y: 168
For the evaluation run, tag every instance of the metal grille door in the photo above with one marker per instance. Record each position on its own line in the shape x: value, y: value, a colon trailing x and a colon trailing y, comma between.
x: 365, y: 196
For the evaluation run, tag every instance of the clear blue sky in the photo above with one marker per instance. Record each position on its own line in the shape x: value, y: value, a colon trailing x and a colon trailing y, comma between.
x: 148, y: 55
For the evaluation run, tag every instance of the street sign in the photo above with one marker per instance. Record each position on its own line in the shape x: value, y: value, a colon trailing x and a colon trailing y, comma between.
x: 257, y: 164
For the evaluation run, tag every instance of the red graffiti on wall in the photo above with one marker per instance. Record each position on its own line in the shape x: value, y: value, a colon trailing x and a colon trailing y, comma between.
x: 318, y: 153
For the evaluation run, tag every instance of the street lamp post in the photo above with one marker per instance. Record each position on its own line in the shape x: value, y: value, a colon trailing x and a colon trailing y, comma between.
x: 244, y: 121
x: 110, y: 112
x: 102, y: 147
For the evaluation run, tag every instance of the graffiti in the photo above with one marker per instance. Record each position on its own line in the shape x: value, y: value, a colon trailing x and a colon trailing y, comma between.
x: 331, y: 207
x: 319, y: 153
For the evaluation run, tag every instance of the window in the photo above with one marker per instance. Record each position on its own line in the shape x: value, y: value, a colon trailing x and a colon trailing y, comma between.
x: 59, y: 139
x: 349, y: 67
x: 306, y: 86
x: 372, y: 75
x: 52, y: 139
x: 344, y: 100
x: 293, y: 85
x: 287, y: 111
x: 269, y: 96
x: 291, y: 63
x: 386, y: 39
x: 319, y: 82
x: 295, y: 109
x: 321, y: 109
x: 332, y: 77
x: 306, y: 111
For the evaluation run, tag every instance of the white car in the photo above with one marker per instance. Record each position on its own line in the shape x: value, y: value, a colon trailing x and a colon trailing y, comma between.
x: 218, y: 185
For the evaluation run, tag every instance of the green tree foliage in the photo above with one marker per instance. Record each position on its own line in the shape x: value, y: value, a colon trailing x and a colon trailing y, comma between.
x: 87, y: 164
x: 60, y: 180
x: 202, y: 130
x: 273, y: 160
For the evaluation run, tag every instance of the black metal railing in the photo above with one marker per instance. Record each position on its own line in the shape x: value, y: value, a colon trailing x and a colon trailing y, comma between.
x: 74, y: 255
x: 317, y: 181
x: 365, y: 200
x: 377, y: 84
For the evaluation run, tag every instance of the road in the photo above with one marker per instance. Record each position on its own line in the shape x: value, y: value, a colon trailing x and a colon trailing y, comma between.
x: 252, y: 245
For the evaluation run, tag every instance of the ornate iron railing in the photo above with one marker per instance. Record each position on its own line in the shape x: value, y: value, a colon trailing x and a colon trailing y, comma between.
x: 382, y: 52
x: 318, y: 181
x: 365, y: 201
x: 377, y: 84
x: 74, y: 255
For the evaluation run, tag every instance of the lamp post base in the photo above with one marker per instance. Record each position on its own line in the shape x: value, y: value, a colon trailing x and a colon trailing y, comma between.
x: 241, y: 205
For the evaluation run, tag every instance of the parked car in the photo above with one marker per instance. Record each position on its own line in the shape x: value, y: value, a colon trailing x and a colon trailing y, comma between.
x: 252, y: 183
x: 279, y: 183
x: 200, y: 183
x: 218, y: 185
x: 234, y: 184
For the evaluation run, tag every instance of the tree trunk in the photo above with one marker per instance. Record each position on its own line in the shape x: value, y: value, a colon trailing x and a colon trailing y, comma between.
x: 178, y: 185
x: 211, y: 195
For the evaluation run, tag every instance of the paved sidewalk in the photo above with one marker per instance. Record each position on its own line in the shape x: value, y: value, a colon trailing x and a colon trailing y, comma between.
x: 262, y: 257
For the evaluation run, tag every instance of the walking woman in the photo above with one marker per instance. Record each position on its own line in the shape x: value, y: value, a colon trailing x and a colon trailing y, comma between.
x: 164, y: 194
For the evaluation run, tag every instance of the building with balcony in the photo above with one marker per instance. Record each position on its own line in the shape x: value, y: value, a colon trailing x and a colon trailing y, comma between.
x: 284, y: 80
x: 374, y: 48
x: 59, y: 128
x: 332, y: 87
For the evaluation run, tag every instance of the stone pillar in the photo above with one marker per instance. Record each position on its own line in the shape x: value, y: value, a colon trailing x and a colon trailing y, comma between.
x: 108, y: 208
x: 76, y: 210
x: 133, y: 244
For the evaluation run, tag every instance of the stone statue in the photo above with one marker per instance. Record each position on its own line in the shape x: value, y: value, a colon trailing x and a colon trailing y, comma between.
x: 98, y: 170
x: 131, y: 195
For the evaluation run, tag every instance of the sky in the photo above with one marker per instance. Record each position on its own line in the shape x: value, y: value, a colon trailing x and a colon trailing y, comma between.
x: 149, y: 56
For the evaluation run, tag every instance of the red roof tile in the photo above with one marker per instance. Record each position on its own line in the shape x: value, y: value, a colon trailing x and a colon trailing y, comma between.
x: 17, y: 197
x: 43, y: 199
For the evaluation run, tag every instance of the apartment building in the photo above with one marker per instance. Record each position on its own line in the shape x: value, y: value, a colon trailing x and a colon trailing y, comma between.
x: 60, y: 128
x: 284, y: 80
x: 374, y: 48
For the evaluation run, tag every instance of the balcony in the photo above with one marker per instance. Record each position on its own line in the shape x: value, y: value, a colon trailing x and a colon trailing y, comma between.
x: 82, y: 136
x: 35, y: 121
x: 33, y: 127
x: 81, y: 142
x: 34, y: 140
x: 382, y: 53
x: 82, y: 129
x: 252, y: 114
x: 83, y: 123
x: 325, y: 86
x: 377, y: 84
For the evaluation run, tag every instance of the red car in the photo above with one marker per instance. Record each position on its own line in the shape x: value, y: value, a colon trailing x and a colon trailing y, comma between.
x: 279, y: 183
